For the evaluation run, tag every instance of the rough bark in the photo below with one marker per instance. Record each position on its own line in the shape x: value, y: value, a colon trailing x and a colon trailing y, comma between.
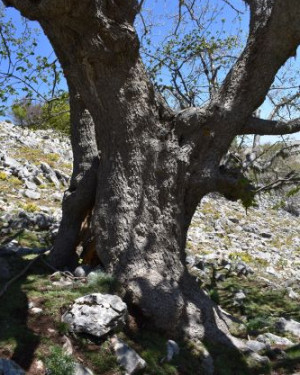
x: 79, y: 199
x: 155, y: 166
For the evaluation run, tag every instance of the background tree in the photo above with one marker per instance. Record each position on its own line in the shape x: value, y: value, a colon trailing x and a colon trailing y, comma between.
x: 141, y: 168
x: 30, y: 81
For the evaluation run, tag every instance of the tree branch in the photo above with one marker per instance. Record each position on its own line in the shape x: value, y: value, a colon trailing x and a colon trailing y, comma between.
x: 290, y: 178
x: 270, y: 127
x: 248, y: 82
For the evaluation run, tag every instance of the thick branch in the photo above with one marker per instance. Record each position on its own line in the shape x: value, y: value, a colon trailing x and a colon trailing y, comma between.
x: 36, y: 10
x: 269, y: 127
x: 274, y: 37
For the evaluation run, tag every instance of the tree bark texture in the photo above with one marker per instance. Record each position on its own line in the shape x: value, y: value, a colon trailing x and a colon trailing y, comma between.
x: 140, y: 168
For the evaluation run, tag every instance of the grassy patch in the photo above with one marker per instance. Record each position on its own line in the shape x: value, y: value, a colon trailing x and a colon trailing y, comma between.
x: 103, y: 359
x: 36, y: 155
x: 58, y: 363
x: 29, y: 207
x: 262, y: 306
x: 3, y: 176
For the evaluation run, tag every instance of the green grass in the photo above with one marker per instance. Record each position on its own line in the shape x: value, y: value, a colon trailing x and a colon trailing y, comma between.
x: 262, y: 305
x: 36, y: 155
x: 103, y: 360
x: 29, y: 207
x: 58, y: 363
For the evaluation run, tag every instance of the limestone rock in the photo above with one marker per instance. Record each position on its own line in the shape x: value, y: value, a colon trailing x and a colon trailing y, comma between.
x: 256, y: 346
x: 81, y: 271
x: 284, y: 325
x: 32, y: 194
x: 96, y: 314
x: 172, y: 349
x: 127, y: 357
x: 67, y: 346
x: 271, y: 339
x: 81, y: 370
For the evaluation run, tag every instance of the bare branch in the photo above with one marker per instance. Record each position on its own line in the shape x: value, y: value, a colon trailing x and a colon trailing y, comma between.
x: 233, y: 7
x: 270, y: 127
x: 290, y: 178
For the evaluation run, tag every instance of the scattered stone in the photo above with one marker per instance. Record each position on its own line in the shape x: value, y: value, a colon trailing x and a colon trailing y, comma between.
x: 32, y: 194
x: 96, y: 314
x: 127, y: 357
x: 30, y: 185
x: 256, y: 346
x: 239, y: 297
x: 172, y: 349
x: 271, y: 271
x: 292, y: 326
x: 39, y: 366
x: 36, y: 310
x: 271, y: 339
x: 50, y: 174
x: 11, y: 163
x: 82, y: 271
x: 81, y: 370
x: 67, y: 345
x: 292, y: 294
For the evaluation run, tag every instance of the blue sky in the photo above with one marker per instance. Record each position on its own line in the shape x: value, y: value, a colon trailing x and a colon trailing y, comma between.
x: 161, y: 12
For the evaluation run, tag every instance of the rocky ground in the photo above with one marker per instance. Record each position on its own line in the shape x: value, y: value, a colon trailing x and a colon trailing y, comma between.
x: 248, y: 262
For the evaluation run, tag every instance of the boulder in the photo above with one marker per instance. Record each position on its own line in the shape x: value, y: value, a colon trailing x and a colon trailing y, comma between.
x: 96, y: 314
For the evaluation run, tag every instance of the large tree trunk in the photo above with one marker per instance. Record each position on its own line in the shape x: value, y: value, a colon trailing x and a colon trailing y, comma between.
x: 144, y: 200
x: 154, y: 166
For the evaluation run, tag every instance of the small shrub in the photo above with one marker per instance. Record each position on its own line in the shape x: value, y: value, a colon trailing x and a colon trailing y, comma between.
x: 30, y: 207
x: 14, y: 181
x: 59, y: 363
x: 3, y: 176
x: 53, y: 157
